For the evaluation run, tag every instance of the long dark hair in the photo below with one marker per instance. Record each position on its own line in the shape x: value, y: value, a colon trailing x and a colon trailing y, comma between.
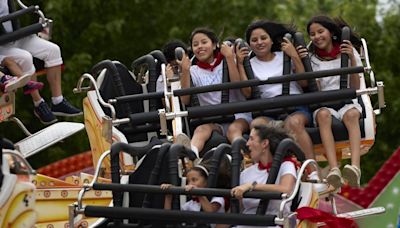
x: 275, y: 30
x: 334, y: 25
x: 224, y: 173
x: 274, y: 134
x: 169, y: 49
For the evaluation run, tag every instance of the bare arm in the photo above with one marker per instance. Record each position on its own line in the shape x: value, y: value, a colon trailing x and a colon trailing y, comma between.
x: 241, y: 53
x: 168, y: 198
x: 347, y: 48
x: 286, y: 185
x: 207, y: 206
x: 185, y: 77
x: 291, y: 51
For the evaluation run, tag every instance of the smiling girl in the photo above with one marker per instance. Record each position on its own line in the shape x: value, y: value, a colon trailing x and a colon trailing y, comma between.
x: 326, y: 50
x: 267, y: 41
x: 208, y: 71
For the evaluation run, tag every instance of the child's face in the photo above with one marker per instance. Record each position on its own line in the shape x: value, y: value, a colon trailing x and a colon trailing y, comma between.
x: 194, y: 177
x: 203, y: 47
x: 320, y: 36
x: 260, y: 42
x: 175, y: 66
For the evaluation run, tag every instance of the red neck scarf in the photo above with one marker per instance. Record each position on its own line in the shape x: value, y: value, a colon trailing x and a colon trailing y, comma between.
x: 315, y: 216
x: 267, y: 167
x: 332, y: 54
x: 218, y: 58
x: 196, y: 199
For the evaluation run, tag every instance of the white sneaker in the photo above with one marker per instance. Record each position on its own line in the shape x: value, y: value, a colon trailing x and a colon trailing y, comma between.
x: 352, y: 174
x: 183, y: 139
x: 334, y: 178
x: 317, y: 184
x: 313, y: 177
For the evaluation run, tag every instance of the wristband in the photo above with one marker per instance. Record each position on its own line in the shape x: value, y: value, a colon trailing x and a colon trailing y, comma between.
x: 253, y: 185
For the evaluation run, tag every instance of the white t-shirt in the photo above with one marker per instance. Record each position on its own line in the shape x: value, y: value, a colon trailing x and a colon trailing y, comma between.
x: 333, y: 82
x: 203, y: 77
x: 160, y: 84
x: 263, y: 70
x: 196, y: 206
x: 4, y: 10
x: 252, y: 174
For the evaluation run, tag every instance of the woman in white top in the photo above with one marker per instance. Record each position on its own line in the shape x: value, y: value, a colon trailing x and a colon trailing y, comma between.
x: 266, y: 40
x: 262, y: 143
x: 326, y: 50
x: 208, y: 71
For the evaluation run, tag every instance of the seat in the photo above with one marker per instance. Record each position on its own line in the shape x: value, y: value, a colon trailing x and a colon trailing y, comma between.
x: 367, y: 128
x: 95, y: 113
x: 17, y: 196
x: 130, y: 86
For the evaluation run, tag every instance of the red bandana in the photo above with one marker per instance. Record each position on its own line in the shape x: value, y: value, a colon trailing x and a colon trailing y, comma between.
x: 269, y: 164
x: 267, y: 167
x: 196, y: 199
x: 332, y: 54
x: 315, y: 216
x: 219, y: 57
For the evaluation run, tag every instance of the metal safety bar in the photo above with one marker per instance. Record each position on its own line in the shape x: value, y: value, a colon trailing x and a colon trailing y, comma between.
x: 80, y: 89
x: 242, y: 84
x: 296, y: 187
x: 19, y: 155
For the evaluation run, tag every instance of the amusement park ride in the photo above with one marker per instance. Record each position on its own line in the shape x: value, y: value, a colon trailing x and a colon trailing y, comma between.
x: 133, y: 151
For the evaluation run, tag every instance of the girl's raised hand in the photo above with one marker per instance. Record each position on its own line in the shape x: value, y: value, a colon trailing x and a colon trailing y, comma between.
x: 288, y: 48
x: 184, y: 63
x: 227, y: 50
x: 189, y: 187
x: 241, y: 53
x: 169, y: 72
x: 165, y: 186
x: 347, y: 48
x: 302, y: 51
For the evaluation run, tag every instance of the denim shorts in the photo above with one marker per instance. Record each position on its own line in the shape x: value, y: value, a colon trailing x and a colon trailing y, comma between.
x: 299, y: 109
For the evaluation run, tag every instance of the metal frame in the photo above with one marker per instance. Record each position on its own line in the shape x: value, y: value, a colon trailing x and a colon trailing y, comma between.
x: 171, y: 115
x: 296, y: 187
x: 16, y: 153
x: 43, y: 20
x: 80, y: 89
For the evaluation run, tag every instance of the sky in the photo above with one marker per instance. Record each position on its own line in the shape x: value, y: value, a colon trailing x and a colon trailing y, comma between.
x: 384, y: 6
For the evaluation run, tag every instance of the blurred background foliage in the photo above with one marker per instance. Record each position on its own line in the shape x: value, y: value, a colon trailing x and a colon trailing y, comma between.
x: 89, y: 31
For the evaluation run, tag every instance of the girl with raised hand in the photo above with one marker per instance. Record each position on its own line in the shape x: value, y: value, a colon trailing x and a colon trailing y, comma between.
x: 326, y: 50
x: 267, y: 41
x: 208, y: 70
